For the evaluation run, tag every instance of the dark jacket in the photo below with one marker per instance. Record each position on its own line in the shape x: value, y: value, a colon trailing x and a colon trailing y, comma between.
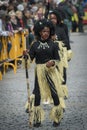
x: 60, y: 31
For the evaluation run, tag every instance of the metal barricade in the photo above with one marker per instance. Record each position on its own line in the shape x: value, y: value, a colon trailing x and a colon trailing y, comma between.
x: 11, y: 49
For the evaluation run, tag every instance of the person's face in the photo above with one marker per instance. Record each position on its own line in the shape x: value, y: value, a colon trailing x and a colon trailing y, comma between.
x: 19, y: 15
x: 27, y: 14
x: 12, y: 17
x: 53, y: 18
x: 45, y: 33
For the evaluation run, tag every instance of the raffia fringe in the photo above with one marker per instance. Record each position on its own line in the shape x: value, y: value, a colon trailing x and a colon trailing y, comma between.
x: 60, y: 68
x: 60, y: 44
x: 64, y: 59
x: 62, y: 102
x: 63, y: 53
x: 44, y: 86
x: 38, y: 114
x: 56, y: 114
x: 65, y: 90
x: 69, y: 54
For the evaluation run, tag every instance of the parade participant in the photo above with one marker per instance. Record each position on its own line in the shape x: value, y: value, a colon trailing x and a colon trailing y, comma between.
x: 47, y: 80
x: 61, y: 32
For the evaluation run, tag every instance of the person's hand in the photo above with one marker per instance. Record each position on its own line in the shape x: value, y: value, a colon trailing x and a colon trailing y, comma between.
x: 50, y: 64
x: 20, y: 29
x: 54, y: 37
x: 25, y: 52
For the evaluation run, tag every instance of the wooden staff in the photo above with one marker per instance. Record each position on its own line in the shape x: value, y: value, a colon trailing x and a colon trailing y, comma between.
x: 28, y: 90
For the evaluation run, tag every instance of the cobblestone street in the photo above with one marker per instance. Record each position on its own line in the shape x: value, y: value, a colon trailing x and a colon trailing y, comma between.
x: 13, y: 94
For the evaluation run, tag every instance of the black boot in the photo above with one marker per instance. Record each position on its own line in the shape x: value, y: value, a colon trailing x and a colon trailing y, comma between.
x: 37, y: 124
x: 55, y: 124
x: 27, y: 110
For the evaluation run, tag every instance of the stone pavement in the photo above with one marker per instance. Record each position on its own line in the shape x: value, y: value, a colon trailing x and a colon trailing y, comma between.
x: 13, y: 94
x: 85, y: 28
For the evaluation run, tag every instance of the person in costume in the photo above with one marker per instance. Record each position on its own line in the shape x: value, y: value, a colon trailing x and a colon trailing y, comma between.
x: 62, y: 37
x: 47, y: 79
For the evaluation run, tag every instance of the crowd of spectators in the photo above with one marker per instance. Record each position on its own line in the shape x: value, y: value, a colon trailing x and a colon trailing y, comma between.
x: 17, y: 15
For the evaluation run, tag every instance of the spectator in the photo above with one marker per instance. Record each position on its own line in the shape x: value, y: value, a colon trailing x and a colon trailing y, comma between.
x: 20, y: 20
x: 12, y: 25
x: 3, y: 30
x: 80, y: 12
x: 66, y: 6
x: 29, y: 25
